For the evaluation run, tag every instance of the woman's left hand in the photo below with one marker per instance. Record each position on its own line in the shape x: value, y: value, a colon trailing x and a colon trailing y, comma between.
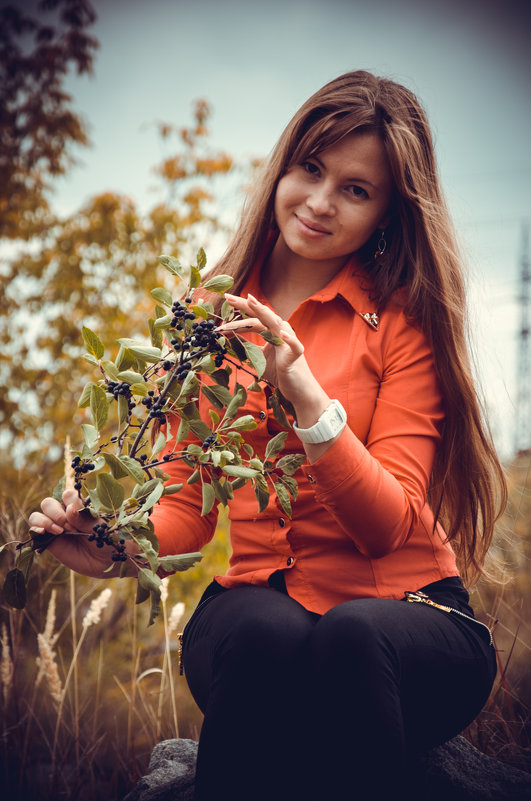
x: 287, y: 367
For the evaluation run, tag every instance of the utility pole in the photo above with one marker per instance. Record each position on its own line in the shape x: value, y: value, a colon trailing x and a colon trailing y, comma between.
x: 522, y: 438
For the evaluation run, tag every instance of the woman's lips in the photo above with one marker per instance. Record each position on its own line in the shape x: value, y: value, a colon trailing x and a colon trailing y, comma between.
x: 311, y: 228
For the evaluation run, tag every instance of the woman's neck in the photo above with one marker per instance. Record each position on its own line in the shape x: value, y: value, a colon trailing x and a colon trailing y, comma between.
x: 287, y: 279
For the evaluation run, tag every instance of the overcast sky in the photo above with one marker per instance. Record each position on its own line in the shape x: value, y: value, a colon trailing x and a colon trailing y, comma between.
x: 255, y: 63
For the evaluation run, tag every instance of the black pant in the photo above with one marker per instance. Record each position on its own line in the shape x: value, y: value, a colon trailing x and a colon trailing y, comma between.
x: 303, y: 706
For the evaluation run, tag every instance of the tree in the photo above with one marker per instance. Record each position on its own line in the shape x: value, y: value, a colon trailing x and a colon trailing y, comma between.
x: 94, y: 267
x: 37, y: 126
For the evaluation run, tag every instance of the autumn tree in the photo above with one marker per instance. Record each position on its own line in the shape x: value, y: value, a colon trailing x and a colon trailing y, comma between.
x: 94, y: 267
x: 38, y: 128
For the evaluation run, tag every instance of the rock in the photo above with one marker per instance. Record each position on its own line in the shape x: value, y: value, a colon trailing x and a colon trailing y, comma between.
x: 455, y: 771
x: 170, y: 775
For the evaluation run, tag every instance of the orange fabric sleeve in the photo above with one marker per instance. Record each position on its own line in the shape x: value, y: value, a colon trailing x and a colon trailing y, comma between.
x: 377, y: 491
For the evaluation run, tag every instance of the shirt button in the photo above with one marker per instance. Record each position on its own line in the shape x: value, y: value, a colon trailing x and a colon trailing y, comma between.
x: 281, y: 522
x: 311, y: 479
x: 289, y: 561
x: 262, y: 415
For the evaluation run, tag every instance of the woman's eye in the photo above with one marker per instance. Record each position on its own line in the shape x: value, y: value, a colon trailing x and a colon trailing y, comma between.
x: 358, y: 191
x: 310, y: 168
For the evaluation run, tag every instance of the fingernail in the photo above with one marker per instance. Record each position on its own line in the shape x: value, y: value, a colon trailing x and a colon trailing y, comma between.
x: 56, y: 529
x: 251, y: 297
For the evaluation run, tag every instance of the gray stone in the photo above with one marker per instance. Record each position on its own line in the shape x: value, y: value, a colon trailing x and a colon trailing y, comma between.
x: 170, y: 775
x: 455, y: 771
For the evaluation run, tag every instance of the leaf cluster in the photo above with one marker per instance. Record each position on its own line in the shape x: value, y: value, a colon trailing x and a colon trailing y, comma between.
x: 144, y: 414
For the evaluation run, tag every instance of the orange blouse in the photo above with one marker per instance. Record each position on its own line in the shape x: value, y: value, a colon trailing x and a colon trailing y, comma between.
x: 361, y: 526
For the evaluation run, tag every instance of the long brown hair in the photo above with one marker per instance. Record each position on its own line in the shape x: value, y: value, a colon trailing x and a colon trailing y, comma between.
x: 468, y: 490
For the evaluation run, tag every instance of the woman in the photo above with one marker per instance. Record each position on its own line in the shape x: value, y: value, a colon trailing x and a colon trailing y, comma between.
x: 316, y: 672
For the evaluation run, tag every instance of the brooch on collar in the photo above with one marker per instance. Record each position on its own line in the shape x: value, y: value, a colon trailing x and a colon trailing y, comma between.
x: 372, y: 319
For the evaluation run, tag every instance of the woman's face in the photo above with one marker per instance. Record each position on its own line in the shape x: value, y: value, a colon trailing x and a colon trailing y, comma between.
x: 329, y: 206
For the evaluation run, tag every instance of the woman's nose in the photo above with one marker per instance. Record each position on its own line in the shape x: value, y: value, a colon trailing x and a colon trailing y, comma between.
x: 320, y: 200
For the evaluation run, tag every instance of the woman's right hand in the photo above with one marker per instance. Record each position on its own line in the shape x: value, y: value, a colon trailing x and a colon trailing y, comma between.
x: 73, y: 550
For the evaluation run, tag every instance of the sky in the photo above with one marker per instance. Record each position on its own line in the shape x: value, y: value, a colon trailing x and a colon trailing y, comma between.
x: 256, y: 62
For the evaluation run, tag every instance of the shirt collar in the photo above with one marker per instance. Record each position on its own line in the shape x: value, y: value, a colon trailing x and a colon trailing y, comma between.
x: 351, y: 283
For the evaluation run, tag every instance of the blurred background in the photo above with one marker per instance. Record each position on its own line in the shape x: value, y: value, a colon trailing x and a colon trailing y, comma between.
x: 130, y: 129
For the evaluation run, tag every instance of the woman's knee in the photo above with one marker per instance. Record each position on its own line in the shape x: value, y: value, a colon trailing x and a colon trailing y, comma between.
x: 355, y: 634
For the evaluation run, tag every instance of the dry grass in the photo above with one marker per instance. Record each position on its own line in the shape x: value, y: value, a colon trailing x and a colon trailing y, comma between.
x: 87, y: 689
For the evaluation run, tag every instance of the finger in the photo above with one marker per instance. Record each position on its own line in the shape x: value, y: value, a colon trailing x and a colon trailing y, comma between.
x: 250, y: 324
x: 40, y: 523
x: 267, y: 316
x: 71, y: 498
x: 55, y: 511
x: 290, y: 338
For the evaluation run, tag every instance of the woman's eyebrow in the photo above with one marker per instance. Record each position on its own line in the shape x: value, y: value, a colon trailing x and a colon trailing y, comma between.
x: 350, y: 180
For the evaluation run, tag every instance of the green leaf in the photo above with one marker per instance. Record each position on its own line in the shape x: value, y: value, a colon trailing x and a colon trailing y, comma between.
x: 25, y: 560
x: 90, y: 435
x: 278, y: 412
x: 256, y: 357
x: 220, y: 492
x: 214, y: 416
x: 141, y: 351
x: 190, y: 386
x: 155, y: 332
x: 238, y: 400
x: 217, y: 395
x: 99, y: 406
x: 290, y: 463
x: 93, y: 343
x: 91, y: 359
x: 148, y: 580
x: 160, y: 442
x: 142, y: 594
x: 183, y: 430
x: 235, y: 347
x: 154, y: 496
x: 123, y: 409
x: 154, y: 611
x: 227, y: 311
x: 162, y: 295
x: 124, y: 359
x: 194, y: 478
x: 110, y: 492
x: 179, y: 562
x: 133, y: 469
x: 172, y: 265
x: 200, y: 429
x: 201, y: 259
x: 15, y: 589
x: 143, y: 490
x: 130, y: 377
x: 139, y: 390
x: 271, y: 338
x: 254, y: 387
x: 275, y: 445
x: 117, y: 469
x: 262, y: 495
x: 283, y: 497
x: 195, y: 277
x: 171, y: 489
x: 219, y: 283
x: 291, y: 485
x: 159, y: 323
x: 240, y: 471
x: 84, y: 398
x: 110, y: 368
x: 209, y: 498
x: 221, y: 376
x: 200, y: 311
x: 244, y: 423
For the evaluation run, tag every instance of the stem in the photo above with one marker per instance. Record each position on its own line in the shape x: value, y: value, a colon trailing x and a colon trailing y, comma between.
x: 61, y: 705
